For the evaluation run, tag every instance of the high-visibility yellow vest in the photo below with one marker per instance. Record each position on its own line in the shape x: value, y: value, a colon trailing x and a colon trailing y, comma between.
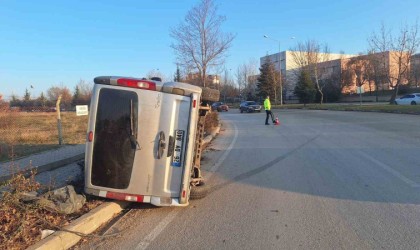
x: 267, y: 104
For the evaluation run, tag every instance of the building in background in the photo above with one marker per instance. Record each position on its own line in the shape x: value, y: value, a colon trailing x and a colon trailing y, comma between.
x: 347, y: 72
x: 212, y: 81
x: 290, y: 69
x: 368, y: 72
x: 415, y: 70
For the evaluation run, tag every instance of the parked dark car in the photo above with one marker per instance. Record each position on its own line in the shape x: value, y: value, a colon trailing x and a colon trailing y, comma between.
x: 249, y: 106
x: 219, y: 106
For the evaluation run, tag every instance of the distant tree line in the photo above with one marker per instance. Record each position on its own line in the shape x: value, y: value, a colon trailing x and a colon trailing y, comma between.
x: 46, y: 102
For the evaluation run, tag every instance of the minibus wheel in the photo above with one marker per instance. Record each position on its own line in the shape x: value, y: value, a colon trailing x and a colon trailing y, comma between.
x: 200, y: 191
x: 211, y: 95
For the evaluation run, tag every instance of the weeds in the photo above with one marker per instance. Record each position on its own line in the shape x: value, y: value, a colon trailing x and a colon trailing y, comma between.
x: 19, y: 225
x: 212, y: 121
x: 22, y: 219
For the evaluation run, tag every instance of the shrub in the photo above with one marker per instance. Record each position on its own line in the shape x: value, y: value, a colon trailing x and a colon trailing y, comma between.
x: 212, y: 121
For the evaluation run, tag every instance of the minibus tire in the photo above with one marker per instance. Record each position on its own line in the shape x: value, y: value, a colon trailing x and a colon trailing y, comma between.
x: 199, y: 192
x: 211, y: 95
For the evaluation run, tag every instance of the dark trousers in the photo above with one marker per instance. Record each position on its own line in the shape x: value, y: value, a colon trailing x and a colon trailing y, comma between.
x: 268, y: 112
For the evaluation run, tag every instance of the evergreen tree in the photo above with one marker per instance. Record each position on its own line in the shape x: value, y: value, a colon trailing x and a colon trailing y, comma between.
x: 15, y: 102
x: 27, y: 96
x: 305, y: 88
x: 76, y: 96
x: 42, y: 100
x: 177, y: 77
x: 27, y: 99
x: 267, y: 80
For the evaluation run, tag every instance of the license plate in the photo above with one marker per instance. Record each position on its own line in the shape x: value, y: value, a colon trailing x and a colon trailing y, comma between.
x: 178, y: 148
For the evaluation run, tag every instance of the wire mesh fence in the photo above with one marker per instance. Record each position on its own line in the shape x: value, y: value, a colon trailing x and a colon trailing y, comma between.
x: 33, y: 130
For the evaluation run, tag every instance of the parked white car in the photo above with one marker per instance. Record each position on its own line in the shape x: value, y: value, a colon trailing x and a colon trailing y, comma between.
x: 410, y: 99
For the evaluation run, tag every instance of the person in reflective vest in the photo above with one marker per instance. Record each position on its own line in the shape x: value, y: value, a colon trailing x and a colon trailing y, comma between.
x: 267, y: 107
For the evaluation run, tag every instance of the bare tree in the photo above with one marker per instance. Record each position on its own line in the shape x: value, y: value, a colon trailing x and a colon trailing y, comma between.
x: 396, y: 52
x: 223, y: 85
x: 357, y: 69
x: 85, y: 89
x: 244, y: 74
x: 307, y: 56
x: 55, y: 91
x: 376, y: 71
x: 200, y: 43
x: 228, y: 90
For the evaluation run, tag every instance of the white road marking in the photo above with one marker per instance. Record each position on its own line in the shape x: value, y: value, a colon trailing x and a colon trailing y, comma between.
x: 216, y: 166
x: 392, y: 171
x: 157, y: 230
x: 171, y: 216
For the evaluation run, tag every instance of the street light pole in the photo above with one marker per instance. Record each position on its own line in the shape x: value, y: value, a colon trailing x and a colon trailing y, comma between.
x: 280, y: 80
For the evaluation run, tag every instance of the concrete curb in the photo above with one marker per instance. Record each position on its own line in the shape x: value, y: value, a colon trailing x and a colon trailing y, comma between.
x: 86, y: 224
x: 210, y: 137
x: 46, y: 167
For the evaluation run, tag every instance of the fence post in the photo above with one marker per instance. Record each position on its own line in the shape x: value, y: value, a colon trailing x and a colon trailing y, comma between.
x: 60, y: 134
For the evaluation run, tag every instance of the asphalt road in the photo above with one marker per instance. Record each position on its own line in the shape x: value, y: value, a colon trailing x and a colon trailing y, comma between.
x: 320, y: 180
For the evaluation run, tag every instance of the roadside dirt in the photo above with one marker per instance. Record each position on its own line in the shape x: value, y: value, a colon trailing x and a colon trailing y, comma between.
x: 22, y: 219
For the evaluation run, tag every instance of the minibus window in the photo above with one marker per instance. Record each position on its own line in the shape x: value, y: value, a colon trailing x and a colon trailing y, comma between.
x: 115, y: 130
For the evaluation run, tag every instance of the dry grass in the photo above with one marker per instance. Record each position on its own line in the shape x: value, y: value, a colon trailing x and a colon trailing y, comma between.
x: 74, y: 128
x: 23, y: 133
x: 21, y: 222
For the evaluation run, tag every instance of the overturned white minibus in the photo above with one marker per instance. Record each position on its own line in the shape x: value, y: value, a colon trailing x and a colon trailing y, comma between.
x: 141, y: 140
